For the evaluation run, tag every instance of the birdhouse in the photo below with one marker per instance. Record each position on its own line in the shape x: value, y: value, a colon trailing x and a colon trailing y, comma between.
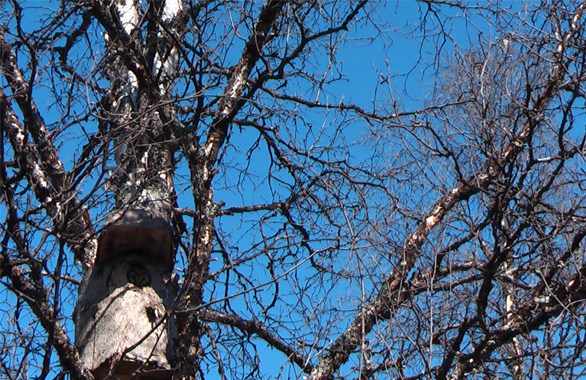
x: 123, y: 318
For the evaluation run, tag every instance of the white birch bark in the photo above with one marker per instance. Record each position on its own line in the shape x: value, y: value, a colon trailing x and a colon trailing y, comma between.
x: 123, y: 321
x: 143, y: 178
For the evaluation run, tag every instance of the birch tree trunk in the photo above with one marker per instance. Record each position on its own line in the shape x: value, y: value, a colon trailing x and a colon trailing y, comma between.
x: 124, y: 322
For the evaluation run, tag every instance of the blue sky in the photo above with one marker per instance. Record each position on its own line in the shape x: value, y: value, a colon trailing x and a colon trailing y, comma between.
x: 377, y: 72
x: 387, y: 67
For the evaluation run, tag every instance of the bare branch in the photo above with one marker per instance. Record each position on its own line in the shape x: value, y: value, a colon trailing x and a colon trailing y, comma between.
x: 257, y: 328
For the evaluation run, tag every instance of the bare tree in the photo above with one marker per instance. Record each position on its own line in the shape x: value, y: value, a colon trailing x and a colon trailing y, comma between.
x: 435, y: 230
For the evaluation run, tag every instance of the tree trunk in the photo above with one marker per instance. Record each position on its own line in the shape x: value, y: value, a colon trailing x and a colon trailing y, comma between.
x: 124, y: 319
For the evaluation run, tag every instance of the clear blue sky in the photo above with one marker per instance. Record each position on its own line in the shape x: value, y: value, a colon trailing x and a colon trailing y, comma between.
x: 367, y: 65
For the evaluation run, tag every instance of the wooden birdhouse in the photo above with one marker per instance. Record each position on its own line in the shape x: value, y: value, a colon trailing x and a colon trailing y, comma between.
x: 123, y: 322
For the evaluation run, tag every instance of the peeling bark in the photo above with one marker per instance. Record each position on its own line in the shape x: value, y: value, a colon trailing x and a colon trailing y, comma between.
x: 202, y: 161
x: 41, y: 163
